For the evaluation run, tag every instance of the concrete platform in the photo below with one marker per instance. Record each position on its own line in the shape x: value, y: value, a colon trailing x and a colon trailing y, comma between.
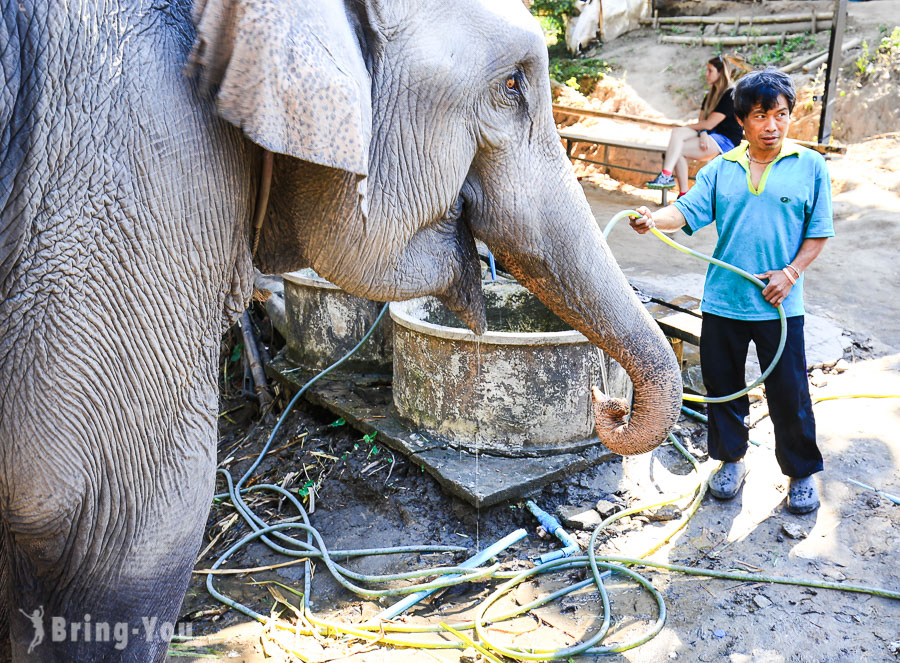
x: 479, y: 479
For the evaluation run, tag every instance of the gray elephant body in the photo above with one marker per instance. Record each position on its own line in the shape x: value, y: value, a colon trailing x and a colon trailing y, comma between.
x: 125, y: 206
x: 114, y: 298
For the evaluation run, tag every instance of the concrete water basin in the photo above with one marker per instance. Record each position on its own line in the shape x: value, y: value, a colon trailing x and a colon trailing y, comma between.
x: 324, y: 323
x: 522, y: 388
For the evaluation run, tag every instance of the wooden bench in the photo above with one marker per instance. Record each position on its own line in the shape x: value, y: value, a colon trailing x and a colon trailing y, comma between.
x: 571, y: 138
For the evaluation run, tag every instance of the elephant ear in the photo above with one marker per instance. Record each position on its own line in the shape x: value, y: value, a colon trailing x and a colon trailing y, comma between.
x: 290, y: 74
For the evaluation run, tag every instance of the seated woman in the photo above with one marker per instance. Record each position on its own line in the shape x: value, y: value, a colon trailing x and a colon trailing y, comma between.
x: 715, y: 133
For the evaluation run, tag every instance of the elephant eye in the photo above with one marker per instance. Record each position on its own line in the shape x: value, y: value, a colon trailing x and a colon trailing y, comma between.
x: 513, y: 84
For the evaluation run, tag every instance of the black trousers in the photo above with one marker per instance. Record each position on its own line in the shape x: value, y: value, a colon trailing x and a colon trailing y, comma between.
x: 723, y: 353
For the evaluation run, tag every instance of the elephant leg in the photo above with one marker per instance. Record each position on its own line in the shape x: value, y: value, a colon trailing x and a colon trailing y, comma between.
x: 4, y: 600
x: 104, y: 580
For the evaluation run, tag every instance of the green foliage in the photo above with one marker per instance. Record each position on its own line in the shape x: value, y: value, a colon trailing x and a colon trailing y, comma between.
x: 579, y: 74
x: 236, y: 353
x: 887, y: 54
x: 552, y: 15
x: 891, y: 42
x: 864, y: 61
x: 337, y: 423
x: 777, y: 54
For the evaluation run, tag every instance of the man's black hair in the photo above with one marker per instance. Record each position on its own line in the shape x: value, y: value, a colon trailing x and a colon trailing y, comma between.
x: 762, y: 88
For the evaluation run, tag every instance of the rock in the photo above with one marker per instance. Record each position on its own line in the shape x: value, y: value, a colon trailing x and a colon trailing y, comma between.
x: 719, y: 633
x: 817, y: 378
x: 578, y: 517
x: 673, y: 655
x: 665, y: 513
x: 469, y: 655
x: 756, y: 394
x: 834, y: 574
x: 641, y: 519
x: 761, y: 601
x: 794, y: 531
x: 894, y: 647
x: 606, y: 508
x: 841, y: 365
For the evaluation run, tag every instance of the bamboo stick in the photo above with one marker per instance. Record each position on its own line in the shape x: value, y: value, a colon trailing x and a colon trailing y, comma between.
x: 799, y: 62
x: 744, y: 40
x: 766, y: 29
x: 814, y: 64
x: 256, y: 367
x: 783, y: 18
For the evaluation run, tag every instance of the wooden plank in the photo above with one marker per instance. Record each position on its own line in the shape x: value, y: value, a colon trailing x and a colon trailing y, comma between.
x: 575, y: 137
x: 590, y: 112
x: 685, y: 326
x: 613, y: 142
x: 834, y: 67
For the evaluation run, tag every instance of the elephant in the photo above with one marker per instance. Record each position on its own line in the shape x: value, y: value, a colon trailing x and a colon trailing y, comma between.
x: 153, y: 153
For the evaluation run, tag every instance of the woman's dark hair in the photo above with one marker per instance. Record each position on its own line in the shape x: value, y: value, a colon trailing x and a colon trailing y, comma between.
x: 763, y: 88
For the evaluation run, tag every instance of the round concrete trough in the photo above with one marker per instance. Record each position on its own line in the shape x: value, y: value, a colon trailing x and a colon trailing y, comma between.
x: 324, y: 323
x: 522, y: 388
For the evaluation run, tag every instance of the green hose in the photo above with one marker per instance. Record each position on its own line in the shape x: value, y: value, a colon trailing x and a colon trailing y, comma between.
x: 314, y: 548
x: 737, y: 270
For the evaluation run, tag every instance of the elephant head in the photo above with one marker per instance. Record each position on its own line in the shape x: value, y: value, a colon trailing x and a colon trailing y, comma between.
x: 406, y: 135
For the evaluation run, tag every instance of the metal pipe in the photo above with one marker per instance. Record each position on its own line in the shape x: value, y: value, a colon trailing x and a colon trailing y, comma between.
x: 892, y: 498
x: 553, y: 526
x: 479, y: 558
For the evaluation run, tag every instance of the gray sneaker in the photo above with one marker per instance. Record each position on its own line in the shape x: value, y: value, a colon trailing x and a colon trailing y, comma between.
x: 727, y: 480
x: 661, y: 181
x: 803, y: 496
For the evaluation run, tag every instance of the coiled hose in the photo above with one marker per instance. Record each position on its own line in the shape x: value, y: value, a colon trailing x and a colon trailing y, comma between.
x: 601, y: 566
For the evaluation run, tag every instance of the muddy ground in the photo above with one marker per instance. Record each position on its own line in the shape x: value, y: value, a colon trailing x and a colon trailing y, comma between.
x: 365, y: 495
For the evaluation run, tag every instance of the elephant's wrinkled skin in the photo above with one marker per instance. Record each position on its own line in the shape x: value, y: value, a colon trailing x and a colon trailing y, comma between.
x: 402, y: 131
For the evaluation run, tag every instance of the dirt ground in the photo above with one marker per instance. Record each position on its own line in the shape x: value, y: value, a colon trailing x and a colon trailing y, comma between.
x: 363, y: 498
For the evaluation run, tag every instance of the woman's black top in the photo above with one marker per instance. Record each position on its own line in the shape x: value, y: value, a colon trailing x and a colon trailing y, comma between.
x: 728, y: 127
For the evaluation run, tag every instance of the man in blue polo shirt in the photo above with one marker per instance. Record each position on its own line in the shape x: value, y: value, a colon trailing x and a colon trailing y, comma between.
x: 771, y: 202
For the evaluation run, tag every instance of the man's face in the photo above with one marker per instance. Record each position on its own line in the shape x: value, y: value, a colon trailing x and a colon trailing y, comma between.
x: 765, y: 129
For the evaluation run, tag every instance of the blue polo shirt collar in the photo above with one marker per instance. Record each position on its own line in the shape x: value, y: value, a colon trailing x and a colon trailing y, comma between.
x: 740, y: 155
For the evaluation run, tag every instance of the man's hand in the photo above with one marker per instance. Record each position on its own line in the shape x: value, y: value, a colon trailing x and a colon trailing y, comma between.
x: 643, y: 223
x: 778, y: 288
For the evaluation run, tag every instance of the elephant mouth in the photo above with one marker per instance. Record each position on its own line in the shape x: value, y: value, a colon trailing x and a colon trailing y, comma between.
x: 464, y: 295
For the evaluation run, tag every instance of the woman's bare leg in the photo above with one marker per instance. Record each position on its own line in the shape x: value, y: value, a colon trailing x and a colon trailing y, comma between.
x: 681, y: 174
x: 677, y: 140
x: 690, y: 149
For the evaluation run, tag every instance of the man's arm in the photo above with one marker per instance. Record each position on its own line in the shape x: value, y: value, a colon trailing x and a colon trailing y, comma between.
x: 668, y: 219
x: 779, y: 286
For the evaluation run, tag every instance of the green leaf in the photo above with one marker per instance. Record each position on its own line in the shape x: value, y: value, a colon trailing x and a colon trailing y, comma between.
x: 236, y: 353
x: 303, y: 491
x: 337, y: 423
x: 370, y: 437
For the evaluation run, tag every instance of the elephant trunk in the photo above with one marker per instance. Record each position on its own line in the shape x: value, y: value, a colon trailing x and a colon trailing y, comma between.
x: 581, y: 282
